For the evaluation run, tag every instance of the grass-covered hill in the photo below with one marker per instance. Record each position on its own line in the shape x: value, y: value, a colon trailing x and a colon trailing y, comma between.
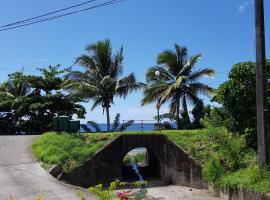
x: 226, y: 159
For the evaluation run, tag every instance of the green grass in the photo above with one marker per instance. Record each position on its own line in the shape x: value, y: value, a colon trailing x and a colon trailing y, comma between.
x: 251, y: 178
x: 226, y: 159
x: 137, y: 158
x: 70, y: 151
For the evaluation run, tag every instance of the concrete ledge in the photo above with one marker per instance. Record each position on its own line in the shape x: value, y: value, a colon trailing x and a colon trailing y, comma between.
x: 237, y: 194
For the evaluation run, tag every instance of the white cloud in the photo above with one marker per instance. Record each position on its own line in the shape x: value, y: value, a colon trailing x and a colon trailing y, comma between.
x: 242, y: 8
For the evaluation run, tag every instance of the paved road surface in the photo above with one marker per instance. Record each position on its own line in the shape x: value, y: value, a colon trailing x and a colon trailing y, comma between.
x: 22, y: 176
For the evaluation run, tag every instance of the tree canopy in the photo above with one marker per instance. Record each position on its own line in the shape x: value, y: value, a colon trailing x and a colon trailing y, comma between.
x: 102, y: 80
x: 29, y: 102
x: 178, y: 82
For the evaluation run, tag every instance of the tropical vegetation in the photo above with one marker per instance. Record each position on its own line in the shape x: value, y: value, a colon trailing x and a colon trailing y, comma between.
x: 176, y: 82
x: 101, y: 80
x: 29, y: 102
x: 226, y: 158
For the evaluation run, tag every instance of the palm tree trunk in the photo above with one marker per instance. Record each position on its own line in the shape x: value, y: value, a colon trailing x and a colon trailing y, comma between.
x: 186, y: 115
x: 108, y: 118
x: 178, y: 115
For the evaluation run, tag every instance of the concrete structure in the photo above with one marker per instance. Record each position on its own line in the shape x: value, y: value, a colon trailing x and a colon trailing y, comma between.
x: 166, y: 161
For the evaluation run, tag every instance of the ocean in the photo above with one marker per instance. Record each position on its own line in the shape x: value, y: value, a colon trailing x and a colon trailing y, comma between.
x: 134, y: 127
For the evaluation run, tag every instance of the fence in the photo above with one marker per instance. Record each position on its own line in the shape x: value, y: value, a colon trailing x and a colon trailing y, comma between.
x: 142, y: 125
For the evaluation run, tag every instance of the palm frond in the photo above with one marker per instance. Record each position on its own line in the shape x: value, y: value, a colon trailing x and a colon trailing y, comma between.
x: 98, y: 101
x: 86, y: 61
x: 195, y: 76
x: 201, y: 88
x: 163, y: 76
x: 189, y: 65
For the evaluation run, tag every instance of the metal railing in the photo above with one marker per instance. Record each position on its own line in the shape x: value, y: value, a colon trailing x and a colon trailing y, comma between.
x: 144, y: 125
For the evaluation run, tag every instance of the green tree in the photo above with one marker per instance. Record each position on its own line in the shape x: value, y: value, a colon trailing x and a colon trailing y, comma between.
x: 16, y: 87
x: 101, y: 80
x: 198, y: 113
x: 30, y: 102
x: 238, y: 97
x: 177, y: 81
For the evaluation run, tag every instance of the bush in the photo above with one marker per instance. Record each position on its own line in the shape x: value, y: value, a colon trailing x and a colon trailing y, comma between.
x: 251, y: 178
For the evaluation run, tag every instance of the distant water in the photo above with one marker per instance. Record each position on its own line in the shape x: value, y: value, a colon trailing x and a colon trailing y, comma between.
x: 133, y: 127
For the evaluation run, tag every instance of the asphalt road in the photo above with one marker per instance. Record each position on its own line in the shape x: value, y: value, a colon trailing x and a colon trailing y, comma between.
x: 23, y: 177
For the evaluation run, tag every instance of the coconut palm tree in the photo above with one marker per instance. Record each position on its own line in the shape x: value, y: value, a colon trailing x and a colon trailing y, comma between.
x: 16, y: 86
x: 177, y: 81
x: 101, y: 81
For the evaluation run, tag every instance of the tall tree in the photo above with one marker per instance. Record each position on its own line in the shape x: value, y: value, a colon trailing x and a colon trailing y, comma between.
x: 177, y: 81
x: 101, y: 80
x: 29, y: 103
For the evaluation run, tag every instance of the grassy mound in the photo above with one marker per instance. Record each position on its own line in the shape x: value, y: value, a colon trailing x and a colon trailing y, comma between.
x: 227, y: 160
x: 70, y: 151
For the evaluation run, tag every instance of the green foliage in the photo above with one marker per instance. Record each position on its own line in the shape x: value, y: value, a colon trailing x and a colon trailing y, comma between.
x: 196, y: 143
x: 226, y: 158
x: 30, y: 102
x: 80, y: 195
x: 198, y: 113
x: 253, y: 177
x: 238, y: 98
x: 107, y: 194
x: 177, y: 83
x: 165, y: 121
x: 216, y: 118
x: 213, y: 170
x: 111, y: 194
x: 118, y: 127
x: 136, y: 158
x: 70, y: 151
x: 101, y: 81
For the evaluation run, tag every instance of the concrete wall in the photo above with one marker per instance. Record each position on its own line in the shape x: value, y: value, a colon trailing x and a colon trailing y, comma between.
x: 239, y: 194
x: 174, y: 165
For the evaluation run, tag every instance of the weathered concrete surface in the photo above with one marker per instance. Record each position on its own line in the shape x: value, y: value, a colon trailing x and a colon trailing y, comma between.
x: 170, y: 163
x: 174, y: 192
x: 23, y: 177
x: 241, y: 194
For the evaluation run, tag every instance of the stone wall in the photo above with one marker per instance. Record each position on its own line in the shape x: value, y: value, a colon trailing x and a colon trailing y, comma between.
x: 174, y: 165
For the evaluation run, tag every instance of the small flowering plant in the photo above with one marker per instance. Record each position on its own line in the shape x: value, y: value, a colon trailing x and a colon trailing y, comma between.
x: 122, y: 195
x: 112, y: 194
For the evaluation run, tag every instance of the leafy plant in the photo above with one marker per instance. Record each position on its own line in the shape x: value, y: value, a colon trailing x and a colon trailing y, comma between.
x: 118, y: 127
x: 111, y: 194
x: 80, y: 195
x: 238, y: 99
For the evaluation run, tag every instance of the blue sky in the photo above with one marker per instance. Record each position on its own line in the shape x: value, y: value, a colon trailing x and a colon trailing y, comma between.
x: 223, y: 31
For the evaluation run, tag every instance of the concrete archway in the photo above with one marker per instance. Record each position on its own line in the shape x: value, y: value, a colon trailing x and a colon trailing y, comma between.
x: 174, y: 165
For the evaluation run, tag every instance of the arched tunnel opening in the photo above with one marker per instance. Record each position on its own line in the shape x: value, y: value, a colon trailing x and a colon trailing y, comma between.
x: 142, y: 164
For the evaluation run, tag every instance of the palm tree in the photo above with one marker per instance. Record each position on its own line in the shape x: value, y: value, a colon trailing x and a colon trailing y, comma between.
x: 177, y: 81
x: 16, y: 86
x: 101, y: 80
